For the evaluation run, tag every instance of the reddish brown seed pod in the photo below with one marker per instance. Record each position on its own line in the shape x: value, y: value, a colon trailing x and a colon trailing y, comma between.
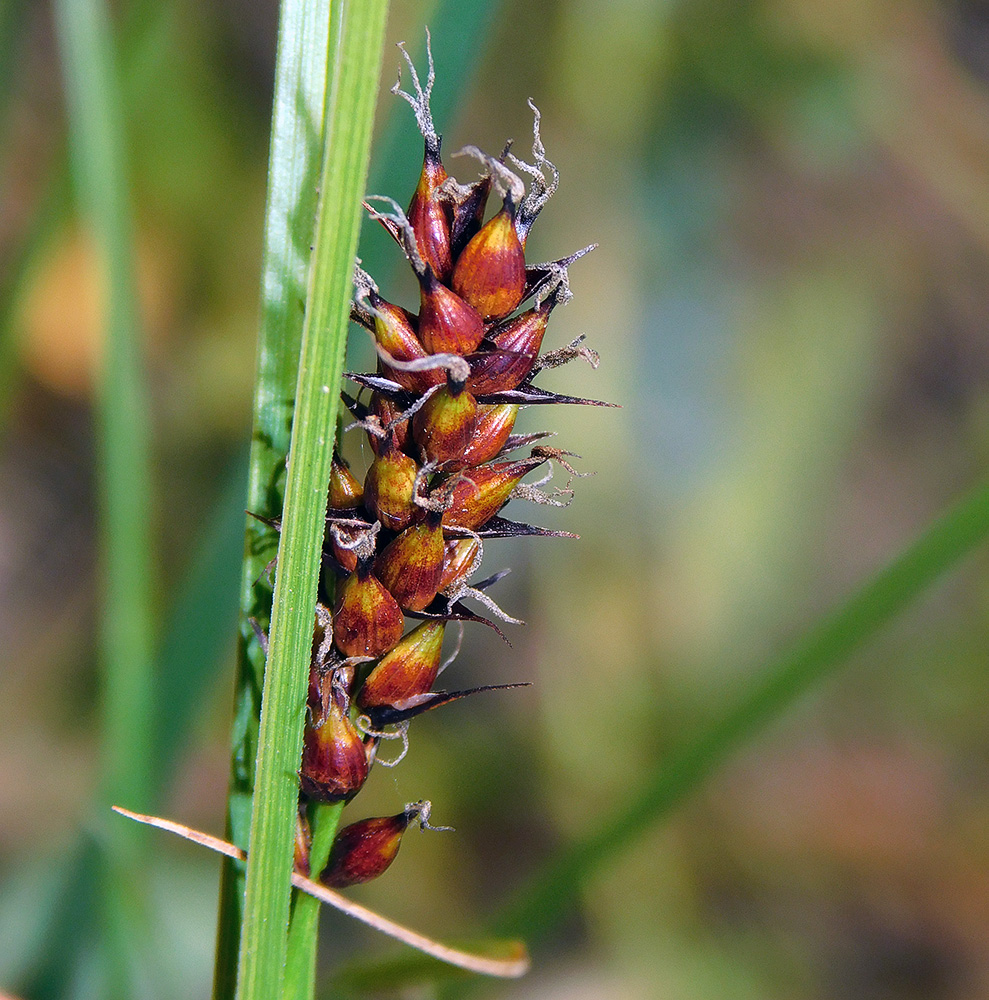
x: 365, y: 849
x: 346, y: 492
x: 490, y: 272
x: 409, y: 669
x: 303, y: 842
x: 429, y: 213
x: 389, y: 486
x: 411, y: 565
x: 517, y: 347
x: 444, y: 426
x: 447, y: 324
x: 367, y: 620
x: 479, y: 493
x: 394, y: 332
x: 494, y: 425
x: 334, y: 755
x: 458, y: 558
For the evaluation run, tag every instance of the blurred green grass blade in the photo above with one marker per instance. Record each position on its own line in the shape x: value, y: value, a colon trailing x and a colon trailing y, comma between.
x: 126, y: 619
x: 354, y: 65
x: 295, y: 156
x: 824, y: 649
x: 99, y: 174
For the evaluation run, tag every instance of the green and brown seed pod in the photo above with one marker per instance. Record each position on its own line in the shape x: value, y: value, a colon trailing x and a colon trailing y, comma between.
x: 430, y: 214
x: 444, y: 427
x: 478, y: 493
x: 346, y: 492
x: 494, y: 425
x: 367, y: 620
x: 447, y: 324
x: 334, y: 756
x: 389, y: 486
x: 409, y: 669
x: 411, y: 565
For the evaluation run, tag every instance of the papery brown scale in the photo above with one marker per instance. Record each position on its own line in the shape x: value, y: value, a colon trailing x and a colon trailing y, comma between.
x: 445, y: 425
x: 458, y: 558
x: 447, y: 324
x: 429, y: 214
x: 367, y: 620
x: 334, y: 757
x: 364, y: 850
x: 490, y: 272
x: 389, y: 486
x: 346, y: 492
x: 477, y: 494
x: 408, y: 670
x: 411, y: 565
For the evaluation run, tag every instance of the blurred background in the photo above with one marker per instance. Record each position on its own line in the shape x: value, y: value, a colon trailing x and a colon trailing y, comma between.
x: 789, y: 299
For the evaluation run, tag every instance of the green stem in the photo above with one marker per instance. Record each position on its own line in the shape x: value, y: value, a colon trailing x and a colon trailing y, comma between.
x: 300, y: 969
x: 293, y: 170
x: 355, y: 62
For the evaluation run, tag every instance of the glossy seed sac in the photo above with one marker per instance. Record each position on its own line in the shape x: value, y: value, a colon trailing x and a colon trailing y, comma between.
x: 364, y: 850
x: 367, y: 620
x: 334, y: 756
x: 444, y: 427
x: 490, y: 273
x: 411, y: 565
x: 409, y: 669
x: 429, y: 214
x: 447, y: 324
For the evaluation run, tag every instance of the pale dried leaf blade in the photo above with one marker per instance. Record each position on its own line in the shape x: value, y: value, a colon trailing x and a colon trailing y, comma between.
x: 517, y: 964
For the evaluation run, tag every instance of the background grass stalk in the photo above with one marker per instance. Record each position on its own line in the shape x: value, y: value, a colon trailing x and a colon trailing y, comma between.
x: 355, y: 62
x: 126, y: 617
x: 822, y: 650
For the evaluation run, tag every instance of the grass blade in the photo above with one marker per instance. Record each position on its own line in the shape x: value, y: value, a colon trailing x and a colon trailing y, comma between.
x: 819, y: 654
x: 355, y: 62
x: 294, y: 163
x: 126, y: 634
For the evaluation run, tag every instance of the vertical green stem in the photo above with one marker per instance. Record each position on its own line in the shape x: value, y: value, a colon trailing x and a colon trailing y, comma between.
x: 355, y: 62
x: 98, y: 165
x: 300, y: 968
x: 294, y: 162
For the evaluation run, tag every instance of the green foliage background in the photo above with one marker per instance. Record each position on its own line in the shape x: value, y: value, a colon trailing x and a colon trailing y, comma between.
x: 793, y: 211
